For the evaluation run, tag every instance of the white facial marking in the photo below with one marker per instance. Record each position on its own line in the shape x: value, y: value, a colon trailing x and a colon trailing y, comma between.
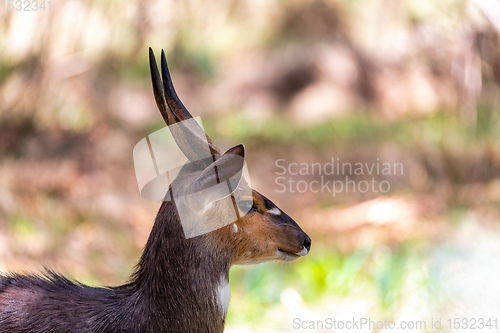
x: 303, y: 252
x: 235, y: 228
x: 223, y: 295
x: 274, y: 211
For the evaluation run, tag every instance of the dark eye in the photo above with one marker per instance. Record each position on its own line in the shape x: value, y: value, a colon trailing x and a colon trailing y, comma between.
x: 246, y: 206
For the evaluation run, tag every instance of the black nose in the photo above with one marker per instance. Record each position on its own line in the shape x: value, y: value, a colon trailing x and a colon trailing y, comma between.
x: 307, y: 243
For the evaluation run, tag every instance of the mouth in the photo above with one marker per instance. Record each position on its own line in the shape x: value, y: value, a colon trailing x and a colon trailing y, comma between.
x: 288, y: 256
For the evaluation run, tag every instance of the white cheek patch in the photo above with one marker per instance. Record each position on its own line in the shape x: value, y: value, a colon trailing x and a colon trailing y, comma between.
x: 235, y: 228
x: 274, y: 211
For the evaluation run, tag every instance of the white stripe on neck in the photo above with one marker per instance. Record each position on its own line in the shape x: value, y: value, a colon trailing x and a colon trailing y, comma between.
x: 223, y: 295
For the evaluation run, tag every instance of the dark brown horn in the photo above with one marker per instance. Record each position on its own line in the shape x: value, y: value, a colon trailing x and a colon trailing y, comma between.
x: 189, y: 136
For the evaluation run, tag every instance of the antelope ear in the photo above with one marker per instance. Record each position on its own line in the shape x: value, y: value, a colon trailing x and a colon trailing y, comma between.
x: 221, y: 178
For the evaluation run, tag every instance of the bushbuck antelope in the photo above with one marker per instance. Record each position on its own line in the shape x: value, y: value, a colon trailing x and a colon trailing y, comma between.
x: 180, y: 283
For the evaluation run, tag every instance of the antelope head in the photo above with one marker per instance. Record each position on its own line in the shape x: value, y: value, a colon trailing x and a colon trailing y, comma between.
x: 213, y: 199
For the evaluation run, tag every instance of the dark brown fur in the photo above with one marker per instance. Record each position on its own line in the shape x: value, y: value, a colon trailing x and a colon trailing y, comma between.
x: 175, y: 285
x: 172, y: 290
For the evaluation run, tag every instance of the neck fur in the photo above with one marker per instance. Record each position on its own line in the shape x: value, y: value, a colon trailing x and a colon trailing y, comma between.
x: 184, y: 276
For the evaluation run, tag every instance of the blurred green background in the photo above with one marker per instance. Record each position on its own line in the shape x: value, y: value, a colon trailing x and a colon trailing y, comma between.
x: 389, y: 81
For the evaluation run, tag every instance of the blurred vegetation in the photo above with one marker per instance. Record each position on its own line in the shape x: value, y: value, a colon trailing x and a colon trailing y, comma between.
x: 416, y: 82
